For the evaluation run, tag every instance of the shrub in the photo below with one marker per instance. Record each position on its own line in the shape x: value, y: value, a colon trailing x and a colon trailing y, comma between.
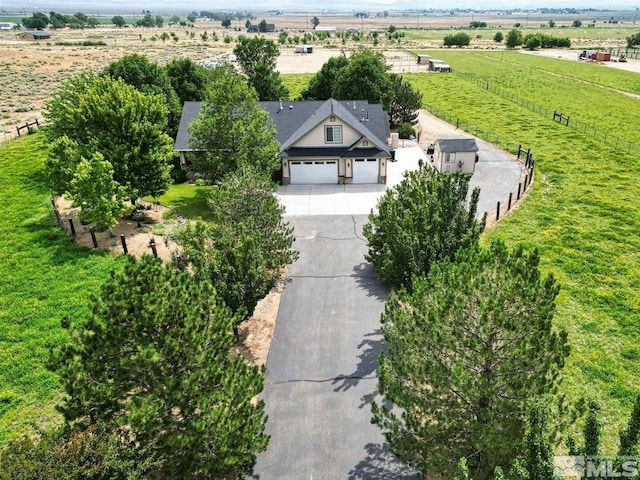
x: 406, y: 130
x: 498, y: 37
x: 459, y: 39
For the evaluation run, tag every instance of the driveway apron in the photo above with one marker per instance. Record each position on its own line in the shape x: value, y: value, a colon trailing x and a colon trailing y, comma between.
x: 322, y: 367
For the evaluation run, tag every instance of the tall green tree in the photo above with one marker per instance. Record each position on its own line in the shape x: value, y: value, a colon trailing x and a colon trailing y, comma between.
x: 315, y: 21
x: 153, y: 364
x: 320, y: 86
x: 189, y: 80
x: 37, y: 21
x: 248, y: 197
x: 118, y: 21
x: 468, y: 348
x: 247, y: 244
x: 93, y: 189
x: 99, y: 115
x: 257, y: 58
x: 420, y: 221
x: 149, y: 78
x: 366, y: 77
x: 514, y: 38
x: 405, y: 103
x: 232, y: 130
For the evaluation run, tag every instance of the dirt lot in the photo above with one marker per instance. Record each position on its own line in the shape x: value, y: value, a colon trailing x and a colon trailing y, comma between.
x: 631, y: 65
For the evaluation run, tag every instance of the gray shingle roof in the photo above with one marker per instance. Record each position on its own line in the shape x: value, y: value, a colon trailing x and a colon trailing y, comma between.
x: 295, y: 119
x: 457, y: 144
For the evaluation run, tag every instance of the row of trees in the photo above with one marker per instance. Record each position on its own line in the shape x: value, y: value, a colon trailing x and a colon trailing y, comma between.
x: 365, y: 75
x: 470, y: 331
x: 39, y: 21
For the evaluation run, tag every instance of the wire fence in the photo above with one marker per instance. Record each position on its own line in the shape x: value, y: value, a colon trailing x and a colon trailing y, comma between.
x: 597, y: 133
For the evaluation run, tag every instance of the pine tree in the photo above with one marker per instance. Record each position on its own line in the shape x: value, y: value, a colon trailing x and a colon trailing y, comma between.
x: 420, y: 221
x: 153, y: 363
x: 468, y: 348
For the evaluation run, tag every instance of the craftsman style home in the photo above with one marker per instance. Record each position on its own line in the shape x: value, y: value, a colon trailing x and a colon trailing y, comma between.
x: 321, y: 141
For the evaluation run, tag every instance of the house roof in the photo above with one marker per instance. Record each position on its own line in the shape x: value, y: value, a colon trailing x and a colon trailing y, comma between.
x: 293, y: 120
x: 457, y: 144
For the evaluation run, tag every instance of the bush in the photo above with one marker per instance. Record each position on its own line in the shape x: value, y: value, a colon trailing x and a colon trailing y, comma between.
x: 459, y: 39
x: 498, y: 37
x: 406, y: 130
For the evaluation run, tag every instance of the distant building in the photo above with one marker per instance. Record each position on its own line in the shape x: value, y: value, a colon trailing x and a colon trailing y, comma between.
x: 37, y: 35
x: 325, y: 29
x: 8, y: 25
x: 303, y: 49
x: 351, y: 30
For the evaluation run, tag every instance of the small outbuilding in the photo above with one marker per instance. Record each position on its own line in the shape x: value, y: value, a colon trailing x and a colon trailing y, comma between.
x: 423, y: 59
x: 454, y: 155
x: 438, y: 65
x: 8, y: 25
x: 303, y: 49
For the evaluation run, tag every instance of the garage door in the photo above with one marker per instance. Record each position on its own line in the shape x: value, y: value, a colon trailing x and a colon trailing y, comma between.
x: 365, y: 170
x: 311, y: 173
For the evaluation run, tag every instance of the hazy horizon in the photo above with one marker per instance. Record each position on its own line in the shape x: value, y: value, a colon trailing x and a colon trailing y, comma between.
x: 327, y: 6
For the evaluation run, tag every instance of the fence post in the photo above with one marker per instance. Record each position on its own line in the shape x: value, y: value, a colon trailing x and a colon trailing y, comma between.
x: 93, y: 237
x: 519, y: 150
x: 152, y: 244
x: 457, y: 123
x: 124, y: 244
x: 519, y: 190
x: 55, y: 210
x: 498, y: 212
x: 526, y: 177
x: 73, y: 229
x: 509, y: 204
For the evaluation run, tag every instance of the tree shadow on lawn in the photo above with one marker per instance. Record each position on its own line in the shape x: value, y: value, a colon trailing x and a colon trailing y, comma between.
x: 381, y: 464
x: 188, y: 203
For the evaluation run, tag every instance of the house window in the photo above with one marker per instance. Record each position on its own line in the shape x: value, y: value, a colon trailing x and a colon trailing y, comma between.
x: 333, y: 134
x: 449, y: 157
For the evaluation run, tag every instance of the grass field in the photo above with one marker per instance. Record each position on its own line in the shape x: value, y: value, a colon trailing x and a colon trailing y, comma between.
x: 573, y: 88
x: 583, y: 215
x: 45, y: 277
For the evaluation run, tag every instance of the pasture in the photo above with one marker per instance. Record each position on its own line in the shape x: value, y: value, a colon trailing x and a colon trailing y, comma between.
x: 582, y: 214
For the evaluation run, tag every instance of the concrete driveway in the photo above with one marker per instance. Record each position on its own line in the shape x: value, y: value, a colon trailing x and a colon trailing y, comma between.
x: 496, y: 174
x: 321, y: 370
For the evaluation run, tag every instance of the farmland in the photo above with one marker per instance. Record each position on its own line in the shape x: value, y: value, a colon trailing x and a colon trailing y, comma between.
x: 583, y: 215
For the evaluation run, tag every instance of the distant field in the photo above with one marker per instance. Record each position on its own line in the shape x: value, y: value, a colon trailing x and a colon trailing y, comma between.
x: 583, y: 215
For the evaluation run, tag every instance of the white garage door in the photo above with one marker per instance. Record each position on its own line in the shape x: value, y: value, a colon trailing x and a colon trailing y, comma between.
x: 365, y: 170
x: 311, y: 173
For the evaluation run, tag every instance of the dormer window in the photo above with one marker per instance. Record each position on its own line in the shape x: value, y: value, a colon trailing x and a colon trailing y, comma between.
x: 333, y: 134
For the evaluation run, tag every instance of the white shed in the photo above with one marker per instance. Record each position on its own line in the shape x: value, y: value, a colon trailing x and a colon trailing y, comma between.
x: 455, y: 155
x: 303, y: 49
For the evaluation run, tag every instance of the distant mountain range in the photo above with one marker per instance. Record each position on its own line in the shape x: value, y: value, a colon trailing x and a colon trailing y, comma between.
x: 175, y: 6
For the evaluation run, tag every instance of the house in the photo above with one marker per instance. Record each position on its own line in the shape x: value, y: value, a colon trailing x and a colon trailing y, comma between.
x: 321, y: 141
x: 303, y: 49
x: 438, y: 65
x: 454, y: 155
x: 37, y: 35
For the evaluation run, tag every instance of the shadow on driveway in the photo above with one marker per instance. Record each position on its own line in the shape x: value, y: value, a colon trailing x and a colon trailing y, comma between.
x: 381, y: 464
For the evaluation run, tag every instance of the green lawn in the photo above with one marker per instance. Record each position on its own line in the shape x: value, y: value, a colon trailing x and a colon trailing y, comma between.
x: 45, y: 277
x: 583, y: 215
x: 188, y: 200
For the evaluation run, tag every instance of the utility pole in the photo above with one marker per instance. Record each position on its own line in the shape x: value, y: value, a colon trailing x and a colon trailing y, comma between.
x: 636, y: 17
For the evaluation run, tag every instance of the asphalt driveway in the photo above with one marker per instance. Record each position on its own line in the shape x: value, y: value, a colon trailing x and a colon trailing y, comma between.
x: 321, y: 370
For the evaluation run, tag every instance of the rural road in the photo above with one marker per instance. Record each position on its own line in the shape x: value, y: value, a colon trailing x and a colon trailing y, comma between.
x: 321, y: 371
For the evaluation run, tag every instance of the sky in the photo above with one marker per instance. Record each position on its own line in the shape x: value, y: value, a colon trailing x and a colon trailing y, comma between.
x: 179, y: 6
